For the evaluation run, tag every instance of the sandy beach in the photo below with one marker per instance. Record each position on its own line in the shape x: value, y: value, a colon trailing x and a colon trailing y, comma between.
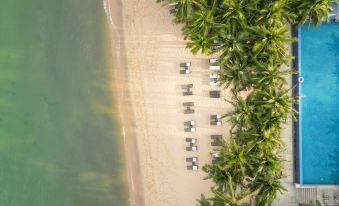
x: 148, y: 48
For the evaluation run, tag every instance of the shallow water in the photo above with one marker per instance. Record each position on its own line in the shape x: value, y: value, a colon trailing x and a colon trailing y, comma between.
x: 58, y: 145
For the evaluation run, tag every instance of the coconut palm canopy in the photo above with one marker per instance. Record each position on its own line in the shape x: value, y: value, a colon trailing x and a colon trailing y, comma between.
x: 251, y: 38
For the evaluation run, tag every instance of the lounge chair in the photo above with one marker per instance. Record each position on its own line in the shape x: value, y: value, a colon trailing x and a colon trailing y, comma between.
x: 189, y: 123
x: 186, y: 86
x: 189, y: 129
x: 216, y: 120
x: 213, y: 60
x: 214, y: 68
x: 336, y: 197
x: 216, y: 136
x: 215, y: 154
x: 187, y: 93
x: 192, y: 148
x: 215, y: 94
x: 191, y: 140
x: 185, y: 64
x: 188, y: 104
x: 216, y: 123
x: 214, y: 76
x: 215, y: 116
x: 188, y: 110
x: 326, y: 196
x: 193, y: 167
x: 192, y: 159
x: 185, y: 71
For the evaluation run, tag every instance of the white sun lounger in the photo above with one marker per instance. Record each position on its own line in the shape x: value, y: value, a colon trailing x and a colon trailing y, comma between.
x: 190, y: 129
x: 215, y: 154
x: 185, y: 71
x: 193, y: 167
x: 185, y: 64
x: 214, y: 68
x: 189, y: 123
x: 191, y: 140
x: 214, y: 76
x: 213, y: 60
x: 192, y: 159
x: 192, y: 148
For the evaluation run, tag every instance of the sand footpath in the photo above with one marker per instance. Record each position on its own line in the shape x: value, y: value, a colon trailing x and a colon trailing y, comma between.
x: 148, y: 48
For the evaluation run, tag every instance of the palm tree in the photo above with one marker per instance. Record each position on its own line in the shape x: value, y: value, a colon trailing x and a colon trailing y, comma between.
x: 270, y: 75
x: 202, y: 19
x: 236, y: 75
x: 232, y: 162
x: 267, y: 188
x: 270, y: 39
x: 229, y: 196
x: 314, y: 11
x: 273, y: 13
x: 200, y: 42
x: 234, y: 15
x: 274, y: 101
x: 182, y: 8
x: 242, y: 114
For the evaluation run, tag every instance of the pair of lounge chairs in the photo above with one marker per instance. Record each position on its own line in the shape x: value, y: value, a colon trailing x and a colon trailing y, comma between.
x: 190, y: 126
x: 184, y: 68
x: 194, y: 166
x: 326, y: 197
x: 192, y: 144
x: 192, y: 147
x: 188, y: 106
x: 336, y: 197
x: 215, y: 120
x: 187, y: 89
x: 192, y: 160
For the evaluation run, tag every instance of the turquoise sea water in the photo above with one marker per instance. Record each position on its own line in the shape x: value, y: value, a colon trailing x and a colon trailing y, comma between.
x: 320, y: 104
x: 58, y: 145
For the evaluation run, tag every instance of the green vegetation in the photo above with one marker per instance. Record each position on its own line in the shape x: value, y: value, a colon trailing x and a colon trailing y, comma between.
x: 251, y: 38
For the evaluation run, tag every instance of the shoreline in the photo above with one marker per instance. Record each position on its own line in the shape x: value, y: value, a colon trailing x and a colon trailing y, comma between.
x: 132, y: 168
x: 146, y: 54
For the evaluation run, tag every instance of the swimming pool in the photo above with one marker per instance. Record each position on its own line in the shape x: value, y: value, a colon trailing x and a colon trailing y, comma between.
x: 319, y: 105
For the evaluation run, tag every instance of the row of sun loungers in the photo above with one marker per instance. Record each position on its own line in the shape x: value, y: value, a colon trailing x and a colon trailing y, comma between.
x: 326, y: 197
x: 189, y: 126
x: 193, y: 161
x: 215, y: 120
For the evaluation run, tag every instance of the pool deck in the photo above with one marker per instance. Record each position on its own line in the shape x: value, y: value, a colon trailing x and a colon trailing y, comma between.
x: 288, y: 198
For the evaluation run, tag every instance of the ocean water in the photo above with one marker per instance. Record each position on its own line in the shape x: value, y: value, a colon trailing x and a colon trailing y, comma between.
x: 320, y: 104
x: 58, y: 138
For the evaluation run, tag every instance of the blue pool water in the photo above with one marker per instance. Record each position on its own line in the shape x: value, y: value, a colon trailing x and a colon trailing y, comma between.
x: 319, y: 115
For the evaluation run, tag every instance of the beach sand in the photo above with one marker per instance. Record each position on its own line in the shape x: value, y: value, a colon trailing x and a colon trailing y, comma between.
x: 148, y: 48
